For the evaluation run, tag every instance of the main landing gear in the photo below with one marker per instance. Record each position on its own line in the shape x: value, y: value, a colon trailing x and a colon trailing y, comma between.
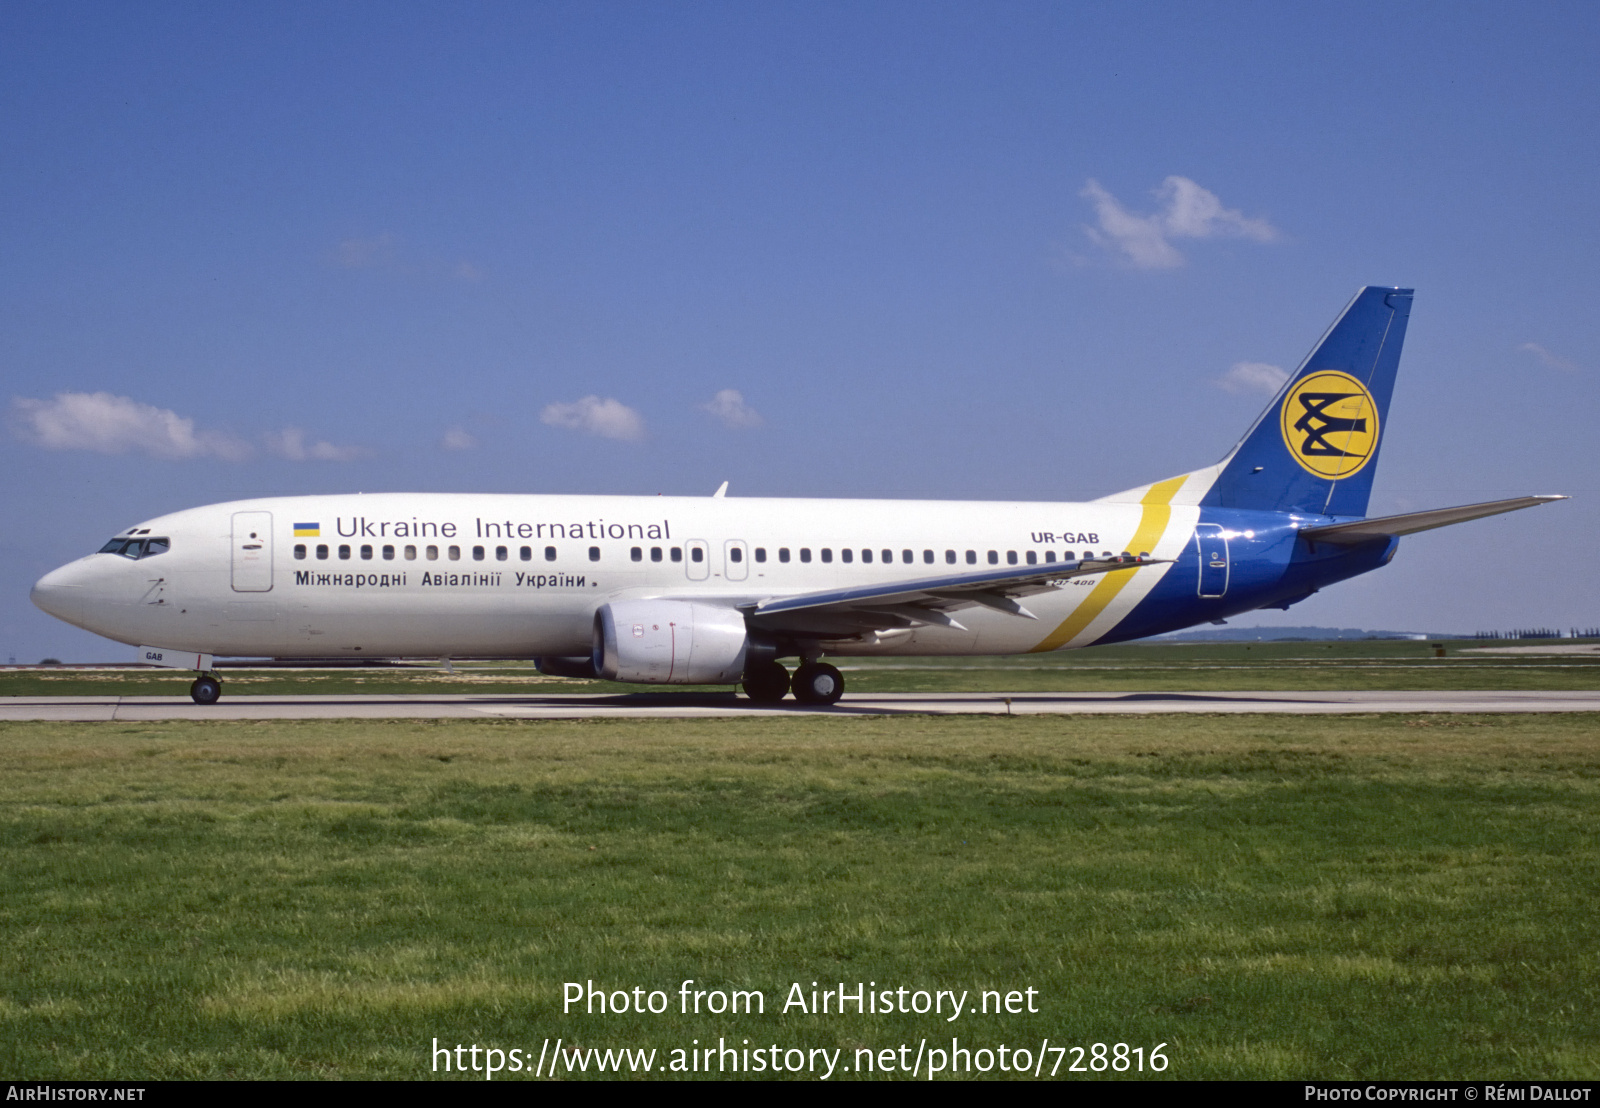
x: 206, y: 689
x: 818, y: 683
x: 813, y: 683
x: 766, y: 682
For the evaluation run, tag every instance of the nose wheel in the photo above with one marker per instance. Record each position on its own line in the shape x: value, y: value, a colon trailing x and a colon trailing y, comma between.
x: 206, y: 689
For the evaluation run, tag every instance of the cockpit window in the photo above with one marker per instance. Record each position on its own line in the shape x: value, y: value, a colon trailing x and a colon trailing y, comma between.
x: 136, y: 548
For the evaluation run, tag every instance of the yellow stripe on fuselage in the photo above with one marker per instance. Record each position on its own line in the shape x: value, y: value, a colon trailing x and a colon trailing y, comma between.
x: 1152, y: 526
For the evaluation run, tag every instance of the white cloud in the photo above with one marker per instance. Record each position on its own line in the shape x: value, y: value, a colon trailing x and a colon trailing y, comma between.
x: 729, y: 406
x: 458, y: 438
x: 291, y: 443
x: 378, y: 251
x: 1252, y: 377
x: 608, y: 418
x: 1552, y: 360
x: 1187, y: 211
x: 110, y: 424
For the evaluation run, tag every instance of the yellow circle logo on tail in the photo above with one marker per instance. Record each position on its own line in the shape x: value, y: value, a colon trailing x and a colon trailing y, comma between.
x: 1330, y: 424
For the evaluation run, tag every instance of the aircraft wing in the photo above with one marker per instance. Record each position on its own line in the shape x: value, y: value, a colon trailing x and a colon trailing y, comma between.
x: 927, y: 600
x: 1364, y: 529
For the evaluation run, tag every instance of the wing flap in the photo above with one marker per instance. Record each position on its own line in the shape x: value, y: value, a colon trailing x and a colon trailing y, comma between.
x: 930, y: 600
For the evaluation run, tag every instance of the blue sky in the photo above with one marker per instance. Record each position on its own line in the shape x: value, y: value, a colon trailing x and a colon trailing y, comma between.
x: 912, y: 250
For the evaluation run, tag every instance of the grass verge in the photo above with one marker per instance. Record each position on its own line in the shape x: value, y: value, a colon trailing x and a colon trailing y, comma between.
x: 1271, y: 897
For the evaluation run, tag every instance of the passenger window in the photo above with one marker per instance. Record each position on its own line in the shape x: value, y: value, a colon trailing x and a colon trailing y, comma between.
x: 888, y: 556
x: 526, y: 553
x: 366, y: 552
x: 735, y: 554
x: 477, y: 553
x: 501, y: 553
x: 433, y: 553
x: 844, y: 555
x: 1033, y: 557
x: 677, y: 553
x: 549, y: 553
x: 761, y: 554
x: 1107, y: 554
x: 411, y: 553
x: 1011, y: 557
x: 344, y: 553
x: 594, y: 553
x: 388, y: 553
x: 972, y: 557
x: 655, y: 553
x: 827, y: 554
x: 453, y: 553
x: 1049, y: 555
x: 300, y: 551
x: 322, y: 552
x: 783, y: 553
x: 696, y: 554
x: 805, y: 553
x: 994, y: 557
x: 950, y: 557
x: 636, y: 554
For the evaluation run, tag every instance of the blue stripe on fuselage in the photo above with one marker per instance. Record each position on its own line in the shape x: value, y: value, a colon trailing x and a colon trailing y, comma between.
x: 1269, y: 566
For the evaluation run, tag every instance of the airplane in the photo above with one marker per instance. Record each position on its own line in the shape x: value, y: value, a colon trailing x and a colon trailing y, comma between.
x: 718, y: 590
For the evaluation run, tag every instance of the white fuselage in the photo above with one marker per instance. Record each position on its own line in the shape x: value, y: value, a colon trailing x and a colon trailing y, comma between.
x: 441, y: 575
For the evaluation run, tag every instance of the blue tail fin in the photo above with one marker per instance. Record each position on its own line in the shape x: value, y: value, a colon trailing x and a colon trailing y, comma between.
x: 1315, y: 448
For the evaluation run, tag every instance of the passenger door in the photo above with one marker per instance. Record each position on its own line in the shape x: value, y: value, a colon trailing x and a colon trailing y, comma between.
x: 252, y: 551
x: 1212, y: 542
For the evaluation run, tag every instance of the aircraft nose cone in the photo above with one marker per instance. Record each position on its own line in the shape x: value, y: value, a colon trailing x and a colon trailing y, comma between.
x: 58, y: 594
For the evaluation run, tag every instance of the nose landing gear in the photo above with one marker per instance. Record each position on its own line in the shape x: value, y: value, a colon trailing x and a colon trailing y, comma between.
x: 206, y: 689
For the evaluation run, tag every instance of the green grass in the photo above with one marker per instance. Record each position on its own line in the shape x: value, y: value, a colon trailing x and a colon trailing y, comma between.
x: 1214, y: 667
x: 1272, y: 897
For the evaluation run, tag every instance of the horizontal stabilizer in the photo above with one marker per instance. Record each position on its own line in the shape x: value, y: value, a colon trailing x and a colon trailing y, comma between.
x: 1365, y: 529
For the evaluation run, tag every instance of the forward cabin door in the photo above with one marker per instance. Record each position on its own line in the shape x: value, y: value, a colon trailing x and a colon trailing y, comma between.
x: 252, y: 551
x: 1213, y: 543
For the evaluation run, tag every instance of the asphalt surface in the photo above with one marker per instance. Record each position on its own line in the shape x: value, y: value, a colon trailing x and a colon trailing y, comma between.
x: 701, y: 705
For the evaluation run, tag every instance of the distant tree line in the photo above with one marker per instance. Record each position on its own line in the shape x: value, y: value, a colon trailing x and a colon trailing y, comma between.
x: 1541, y: 633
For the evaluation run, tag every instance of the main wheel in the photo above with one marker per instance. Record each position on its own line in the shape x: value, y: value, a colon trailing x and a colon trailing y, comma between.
x: 206, y: 689
x: 766, y: 682
x: 818, y: 683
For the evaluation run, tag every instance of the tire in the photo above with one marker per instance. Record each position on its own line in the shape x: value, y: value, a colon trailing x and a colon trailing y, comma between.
x: 206, y: 690
x: 818, y: 683
x: 766, y: 682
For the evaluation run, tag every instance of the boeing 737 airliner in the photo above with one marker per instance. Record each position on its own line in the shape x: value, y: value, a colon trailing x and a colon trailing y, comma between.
x: 678, y: 590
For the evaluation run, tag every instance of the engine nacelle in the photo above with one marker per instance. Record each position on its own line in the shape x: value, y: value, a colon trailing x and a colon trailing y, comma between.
x: 670, y: 642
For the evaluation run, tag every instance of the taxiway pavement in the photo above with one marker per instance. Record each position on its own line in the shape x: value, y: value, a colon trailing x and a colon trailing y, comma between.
x: 700, y: 705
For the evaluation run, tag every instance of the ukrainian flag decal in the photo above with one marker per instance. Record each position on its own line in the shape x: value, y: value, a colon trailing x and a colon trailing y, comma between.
x: 308, y: 530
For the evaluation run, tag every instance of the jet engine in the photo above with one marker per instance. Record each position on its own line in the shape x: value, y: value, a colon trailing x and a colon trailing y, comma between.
x: 670, y: 642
